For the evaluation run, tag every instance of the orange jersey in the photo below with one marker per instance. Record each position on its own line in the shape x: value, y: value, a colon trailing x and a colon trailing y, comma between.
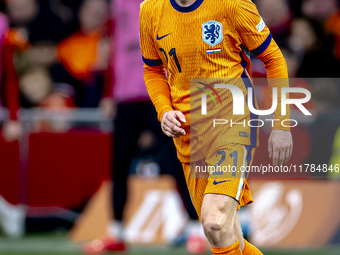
x: 209, y: 39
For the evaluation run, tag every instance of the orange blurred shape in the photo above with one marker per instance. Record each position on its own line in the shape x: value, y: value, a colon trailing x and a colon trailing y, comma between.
x: 78, y: 53
x: 17, y: 38
x: 333, y: 26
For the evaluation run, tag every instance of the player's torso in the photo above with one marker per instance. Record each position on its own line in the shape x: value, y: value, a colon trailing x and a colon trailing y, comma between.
x: 201, y: 43
x: 197, y: 43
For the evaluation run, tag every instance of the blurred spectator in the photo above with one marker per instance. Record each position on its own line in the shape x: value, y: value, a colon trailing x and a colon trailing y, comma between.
x: 22, y: 12
x: 295, y: 6
x: 326, y: 12
x: 36, y: 86
x: 306, y: 36
x: 36, y: 28
x: 84, y: 54
x: 11, y: 216
x: 333, y: 26
x: 37, y: 20
x: 33, y: 44
x: 38, y: 90
x: 9, y: 85
x: 277, y: 16
x: 309, y: 40
x: 320, y: 10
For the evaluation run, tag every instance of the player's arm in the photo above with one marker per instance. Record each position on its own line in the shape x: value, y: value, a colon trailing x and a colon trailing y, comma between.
x: 256, y: 36
x: 156, y: 81
x: 280, y: 144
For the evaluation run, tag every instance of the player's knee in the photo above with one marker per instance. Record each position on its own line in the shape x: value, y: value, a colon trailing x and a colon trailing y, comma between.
x: 210, y: 227
x: 217, y: 233
x: 218, y: 219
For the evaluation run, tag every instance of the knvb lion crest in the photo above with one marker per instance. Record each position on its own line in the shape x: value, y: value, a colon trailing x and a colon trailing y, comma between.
x: 212, y: 32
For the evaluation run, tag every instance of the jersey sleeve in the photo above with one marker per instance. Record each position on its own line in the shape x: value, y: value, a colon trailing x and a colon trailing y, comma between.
x: 157, y: 85
x: 277, y: 74
x: 149, y: 51
x: 254, y: 33
x: 154, y: 73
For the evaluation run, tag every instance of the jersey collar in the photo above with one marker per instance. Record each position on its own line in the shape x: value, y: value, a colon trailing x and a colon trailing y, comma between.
x: 189, y: 8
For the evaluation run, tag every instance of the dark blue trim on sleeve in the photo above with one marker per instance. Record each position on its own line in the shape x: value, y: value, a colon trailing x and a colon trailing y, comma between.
x: 244, y: 62
x: 189, y: 8
x: 253, y: 129
x: 259, y: 50
x: 152, y: 62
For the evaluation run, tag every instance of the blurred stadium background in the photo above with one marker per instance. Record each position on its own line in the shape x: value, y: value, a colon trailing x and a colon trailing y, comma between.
x: 58, y: 78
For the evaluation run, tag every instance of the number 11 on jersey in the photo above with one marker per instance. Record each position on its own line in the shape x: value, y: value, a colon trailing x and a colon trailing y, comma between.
x: 172, y: 52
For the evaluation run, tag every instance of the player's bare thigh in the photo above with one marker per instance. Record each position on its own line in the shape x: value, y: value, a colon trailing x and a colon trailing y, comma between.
x: 218, y: 219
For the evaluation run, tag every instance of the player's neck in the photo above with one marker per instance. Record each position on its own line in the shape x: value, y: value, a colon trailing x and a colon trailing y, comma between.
x: 185, y: 3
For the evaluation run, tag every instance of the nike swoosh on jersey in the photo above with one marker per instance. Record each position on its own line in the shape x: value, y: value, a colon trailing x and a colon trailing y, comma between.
x: 215, y: 182
x: 160, y: 38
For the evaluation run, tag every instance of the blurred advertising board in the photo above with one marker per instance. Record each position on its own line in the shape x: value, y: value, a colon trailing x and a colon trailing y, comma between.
x: 294, y: 213
x: 287, y: 213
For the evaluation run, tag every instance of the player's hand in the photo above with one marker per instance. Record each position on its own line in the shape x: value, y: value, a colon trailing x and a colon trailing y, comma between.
x: 280, y: 146
x: 171, y: 123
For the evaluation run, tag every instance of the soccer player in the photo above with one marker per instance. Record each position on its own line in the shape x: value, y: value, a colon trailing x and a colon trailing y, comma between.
x: 211, y: 39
